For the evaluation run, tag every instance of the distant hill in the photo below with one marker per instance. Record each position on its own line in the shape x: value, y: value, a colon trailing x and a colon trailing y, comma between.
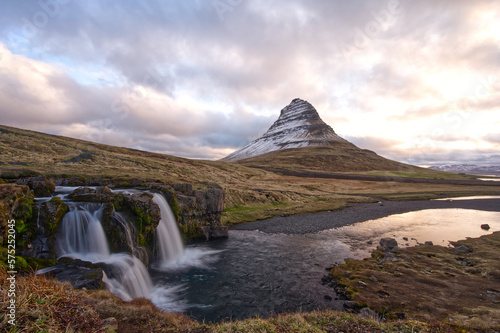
x: 471, y: 169
x: 26, y: 153
x: 301, y: 140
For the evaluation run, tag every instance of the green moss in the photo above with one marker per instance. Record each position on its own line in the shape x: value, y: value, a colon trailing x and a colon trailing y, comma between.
x: 61, y: 209
x: 34, y: 263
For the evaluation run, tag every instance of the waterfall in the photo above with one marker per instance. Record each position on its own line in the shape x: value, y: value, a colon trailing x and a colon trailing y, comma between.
x: 82, y: 237
x: 170, y: 246
x: 128, y: 278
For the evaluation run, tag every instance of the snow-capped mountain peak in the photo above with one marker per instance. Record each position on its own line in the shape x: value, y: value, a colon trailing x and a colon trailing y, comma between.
x: 299, y: 125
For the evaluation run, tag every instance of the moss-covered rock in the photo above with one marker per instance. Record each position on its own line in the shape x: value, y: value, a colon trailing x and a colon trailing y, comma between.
x: 41, y: 186
x: 16, y: 202
x: 46, y: 221
x: 87, y: 194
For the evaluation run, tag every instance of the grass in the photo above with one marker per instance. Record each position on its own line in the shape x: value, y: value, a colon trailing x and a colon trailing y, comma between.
x: 46, y: 305
x: 308, y: 204
x: 431, y: 283
x: 250, y: 193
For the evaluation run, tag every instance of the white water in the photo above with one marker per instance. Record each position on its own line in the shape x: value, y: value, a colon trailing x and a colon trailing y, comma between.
x: 170, y: 246
x: 82, y: 237
x: 130, y: 277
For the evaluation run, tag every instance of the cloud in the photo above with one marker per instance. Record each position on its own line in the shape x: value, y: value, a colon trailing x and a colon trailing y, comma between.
x: 183, y: 78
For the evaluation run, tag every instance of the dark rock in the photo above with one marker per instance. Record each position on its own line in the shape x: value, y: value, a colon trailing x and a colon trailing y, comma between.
x: 41, y: 186
x: 462, y: 249
x: 400, y: 315
x: 186, y: 189
x: 328, y: 297
x: 389, y: 244
x: 405, y: 239
x: 87, y: 194
x: 429, y: 243
x: 485, y: 226
x: 349, y: 304
x: 81, y: 274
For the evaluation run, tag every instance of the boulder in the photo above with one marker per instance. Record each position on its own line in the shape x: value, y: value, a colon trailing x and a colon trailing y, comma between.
x: 41, y: 186
x: 388, y: 244
x: 81, y: 274
x: 462, y: 249
x: 485, y: 226
x: 87, y: 194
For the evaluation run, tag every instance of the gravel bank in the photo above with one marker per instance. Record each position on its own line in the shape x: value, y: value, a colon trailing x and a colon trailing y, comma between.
x: 314, y: 222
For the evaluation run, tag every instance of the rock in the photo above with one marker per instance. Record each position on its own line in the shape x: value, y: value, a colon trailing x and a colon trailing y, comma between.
x: 41, y: 186
x: 109, y: 325
x: 368, y: 313
x: 485, y: 226
x: 429, y: 243
x: 349, y: 304
x: 81, y: 274
x: 462, y: 249
x: 389, y: 244
x: 87, y: 194
x: 328, y: 297
x: 373, y: 279
x: 186, y: 189
x: 400, y: 315
x: 405, y: 239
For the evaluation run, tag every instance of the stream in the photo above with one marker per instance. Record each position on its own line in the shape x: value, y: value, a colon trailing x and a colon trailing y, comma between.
x: 253, y: 273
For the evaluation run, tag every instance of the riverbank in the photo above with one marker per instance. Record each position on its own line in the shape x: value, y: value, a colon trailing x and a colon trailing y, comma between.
x: 430, y: 283
x: 361, y: 212
x: 48, y: 305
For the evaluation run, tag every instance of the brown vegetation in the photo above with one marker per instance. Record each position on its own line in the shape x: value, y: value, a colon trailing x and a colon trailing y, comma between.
x: 431, y: 283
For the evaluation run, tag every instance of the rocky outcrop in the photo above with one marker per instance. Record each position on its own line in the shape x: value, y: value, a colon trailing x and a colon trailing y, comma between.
x: 45, y: 223
x: 81, y: 274
x: 41, y: 186
x: 198, y: 211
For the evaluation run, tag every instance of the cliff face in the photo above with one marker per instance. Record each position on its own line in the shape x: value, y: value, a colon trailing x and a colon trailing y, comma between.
x: 299, y: 125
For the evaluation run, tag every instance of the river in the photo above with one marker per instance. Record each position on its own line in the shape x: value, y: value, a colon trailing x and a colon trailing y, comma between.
x: 256, y: 273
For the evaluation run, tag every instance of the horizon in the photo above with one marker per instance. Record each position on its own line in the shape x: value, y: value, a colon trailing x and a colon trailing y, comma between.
x: 201, y: 80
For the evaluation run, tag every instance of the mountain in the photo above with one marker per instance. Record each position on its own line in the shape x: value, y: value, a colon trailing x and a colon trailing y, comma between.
x: 471, y: 169
x: 299, y: 125
x: 299, y: 139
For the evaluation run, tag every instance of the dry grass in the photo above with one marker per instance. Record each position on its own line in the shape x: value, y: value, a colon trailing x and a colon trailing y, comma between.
x: 45, y: 305
x: 250, y: 193
x: 431, y: 283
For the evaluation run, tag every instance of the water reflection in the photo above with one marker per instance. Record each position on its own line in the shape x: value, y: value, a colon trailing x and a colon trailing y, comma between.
x: 258, y: 274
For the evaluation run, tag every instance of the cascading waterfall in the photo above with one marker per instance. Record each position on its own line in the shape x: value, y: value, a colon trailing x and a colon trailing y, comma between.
x: 82, y: 237
x: 170, y: 246
x: 128, y: 278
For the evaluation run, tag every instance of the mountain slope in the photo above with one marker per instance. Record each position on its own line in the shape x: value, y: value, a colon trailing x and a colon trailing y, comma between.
x: 299, y: 125
x: 300, y: 140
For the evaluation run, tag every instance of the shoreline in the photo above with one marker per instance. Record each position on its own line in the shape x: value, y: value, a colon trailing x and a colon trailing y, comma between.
x: 356, y: 213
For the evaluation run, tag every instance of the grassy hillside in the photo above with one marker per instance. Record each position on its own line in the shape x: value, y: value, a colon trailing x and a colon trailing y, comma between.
x: 340, y: 157
x: 250, y: 193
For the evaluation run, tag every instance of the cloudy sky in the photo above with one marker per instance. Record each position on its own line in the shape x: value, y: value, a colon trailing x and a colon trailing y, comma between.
x: 415, y: 81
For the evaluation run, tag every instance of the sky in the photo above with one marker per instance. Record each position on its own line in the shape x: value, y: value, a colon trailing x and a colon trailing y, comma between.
x: 417, y: 81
